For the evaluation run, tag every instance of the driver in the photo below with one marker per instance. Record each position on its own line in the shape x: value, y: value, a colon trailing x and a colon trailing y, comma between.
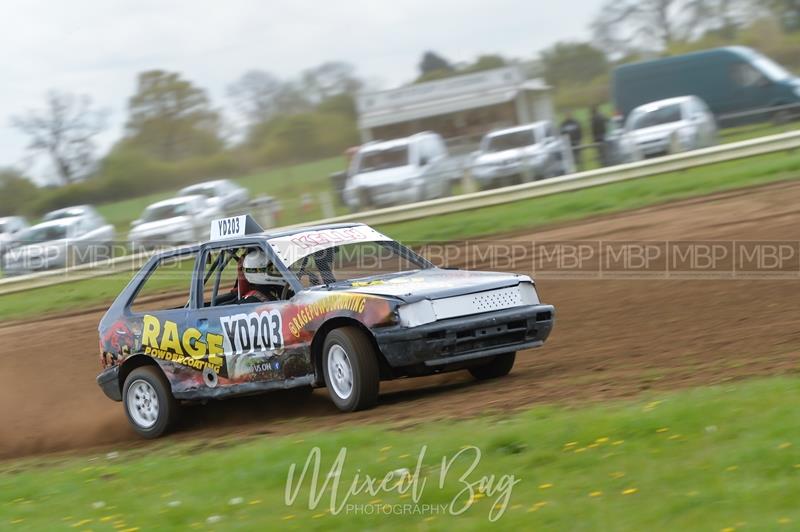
x: 266, y: 282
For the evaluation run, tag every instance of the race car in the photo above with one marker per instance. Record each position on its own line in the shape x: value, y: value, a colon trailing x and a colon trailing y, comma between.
x: 338, y: 306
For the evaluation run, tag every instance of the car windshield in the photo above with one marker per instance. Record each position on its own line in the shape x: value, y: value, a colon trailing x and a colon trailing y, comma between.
x: 164, y: 212
x: 45, y: 233
x: 642, y: 118
x: 208, y: 191
x: 771, y: 69
x: 509, y: 141
x: 4, y: 227
x: 356, y: 263
x: 64, y: 213
x: 373, y: 160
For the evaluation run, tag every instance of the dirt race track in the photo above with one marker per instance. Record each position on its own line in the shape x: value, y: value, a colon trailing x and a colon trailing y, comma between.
x: 613, y: 338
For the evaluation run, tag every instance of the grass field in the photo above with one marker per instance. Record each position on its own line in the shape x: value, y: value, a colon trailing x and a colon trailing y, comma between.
x: 470, y: 224
x: 721, y: 458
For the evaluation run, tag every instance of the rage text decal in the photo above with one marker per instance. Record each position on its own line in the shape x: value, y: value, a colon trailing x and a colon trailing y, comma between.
x: 163, y: 340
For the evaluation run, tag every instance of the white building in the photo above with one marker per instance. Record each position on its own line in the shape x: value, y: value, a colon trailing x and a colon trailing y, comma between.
x: 460, y: 106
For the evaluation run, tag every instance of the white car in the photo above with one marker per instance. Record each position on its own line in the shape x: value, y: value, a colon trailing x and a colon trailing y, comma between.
x: 11, y: 228
x: 59, y: 243
x: 667, y: 126
x: 400, y: 171
x: 222, y: 194
x: 519, y: 154
x: 82, y: 211
x: 178, y: 220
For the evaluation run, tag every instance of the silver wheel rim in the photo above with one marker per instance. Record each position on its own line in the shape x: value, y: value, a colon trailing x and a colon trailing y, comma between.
x: 142, y: 403
x: 340, y: 372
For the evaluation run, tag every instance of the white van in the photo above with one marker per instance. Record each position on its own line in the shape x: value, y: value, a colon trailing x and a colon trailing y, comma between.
x: 400, y: 171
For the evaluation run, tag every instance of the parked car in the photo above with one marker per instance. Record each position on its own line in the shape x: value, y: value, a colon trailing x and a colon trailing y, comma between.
x: 518, y: 154
x: 303, y: 308
x: 222, y: 194
x: 58, y: 243
x: 400, y: 171
x: 667, y: 126
x: 729, y: 80
x: 83, y: 211
x: 173, y: 221
x: 11, y: 228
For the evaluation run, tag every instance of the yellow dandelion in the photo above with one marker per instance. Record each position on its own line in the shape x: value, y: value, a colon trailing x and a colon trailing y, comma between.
x: 516, y: 506
x: 784, y: 445
x: 784, y: 521
x: 604, y: 439
x: 616, y: 474
x: 571, y: 444
x: 404, y: 455
x: 288, y: 517
x: 479, y: 495
x: 384, y: 449
x: 317, y: 516
x: 663, y: 429
x: 580, y: 449
x: 595, y: 494
x: 618, y: 442
x: 375, y: 501
x: 728, y: 529
x: 592, y: 445
x: 430, y: 518
x: 82, y: 522
x: 17, y: 521
x: 545, y: 486
x: 674, y: 436
x: 629, y: 491
x: 732, y: 468
x: 255, y: 501
x: 132, y: 529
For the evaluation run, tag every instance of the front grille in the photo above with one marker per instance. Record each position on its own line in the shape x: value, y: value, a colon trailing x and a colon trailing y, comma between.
x: 468, y: 340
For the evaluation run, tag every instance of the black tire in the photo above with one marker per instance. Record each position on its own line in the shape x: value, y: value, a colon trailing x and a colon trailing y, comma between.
x: 361, y: 359
x: 167, y: 407
x: 499, y: 366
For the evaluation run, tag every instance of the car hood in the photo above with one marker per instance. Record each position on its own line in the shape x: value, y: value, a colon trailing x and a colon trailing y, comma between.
x: 389, y: 176
x: 168, y: 225
x: 434, y: 283
x: 505, y: 155
x: 654, y: 133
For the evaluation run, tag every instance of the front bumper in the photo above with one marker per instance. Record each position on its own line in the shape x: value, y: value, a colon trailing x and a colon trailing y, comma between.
x: 466, y: 338
x: 108, y: 380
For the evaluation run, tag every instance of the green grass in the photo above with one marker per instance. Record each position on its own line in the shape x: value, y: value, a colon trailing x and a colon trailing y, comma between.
x: 717, y: 458
x: 487, y: 221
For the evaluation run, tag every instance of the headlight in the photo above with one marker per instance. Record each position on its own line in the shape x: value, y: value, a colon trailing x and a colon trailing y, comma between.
x: 528, y: 294
x: 416, y: 314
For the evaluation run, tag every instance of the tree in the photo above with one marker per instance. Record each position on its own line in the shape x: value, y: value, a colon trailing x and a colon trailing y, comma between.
x: 65, y: 131
x: 433, y: 66
x: 330, y: 79
x: 16, y: 191
x: 787, y: 12
x: 572, y: 62
x: 171, y: 119
x: 255, y: 95
x: 487, y: 62
x: 627, y: 26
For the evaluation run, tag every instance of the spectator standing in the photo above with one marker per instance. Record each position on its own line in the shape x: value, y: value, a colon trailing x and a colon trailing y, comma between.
x: 599, y: 121
x: 572, y: 129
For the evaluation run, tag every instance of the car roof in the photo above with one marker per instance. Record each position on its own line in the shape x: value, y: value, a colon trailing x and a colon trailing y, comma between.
x: 174, y: 201
x: 58, y: 221
x: 514, y: 129
x: 204, y: 184
x: 662, y: 103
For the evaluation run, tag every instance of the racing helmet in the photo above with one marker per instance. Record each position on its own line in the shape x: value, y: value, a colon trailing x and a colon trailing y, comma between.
x: 260, y: 270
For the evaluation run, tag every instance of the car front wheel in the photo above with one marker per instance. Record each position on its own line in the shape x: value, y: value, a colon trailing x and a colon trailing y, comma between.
x: 148, y: 402
x: 350, y: 367
x: 499, y: 366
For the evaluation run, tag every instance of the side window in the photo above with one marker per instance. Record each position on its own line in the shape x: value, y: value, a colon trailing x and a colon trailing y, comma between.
x: 167, y: 286
x: 220, y: 276
x: 745, y: 75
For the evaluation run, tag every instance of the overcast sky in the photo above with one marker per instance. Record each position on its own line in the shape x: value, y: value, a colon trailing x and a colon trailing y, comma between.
x: 97, y: 47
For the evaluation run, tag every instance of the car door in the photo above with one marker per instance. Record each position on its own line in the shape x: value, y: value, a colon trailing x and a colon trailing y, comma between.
x: 254, y: 344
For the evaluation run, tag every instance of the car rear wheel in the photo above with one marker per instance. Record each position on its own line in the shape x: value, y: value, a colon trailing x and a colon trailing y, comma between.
x: 499, y: 366
x: 148, y: 402
x: 350, y: 367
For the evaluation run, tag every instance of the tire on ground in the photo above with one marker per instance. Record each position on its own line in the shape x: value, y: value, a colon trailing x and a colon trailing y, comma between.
x: 361, y: 360
x: 167, y: 406
x: 498, y: 366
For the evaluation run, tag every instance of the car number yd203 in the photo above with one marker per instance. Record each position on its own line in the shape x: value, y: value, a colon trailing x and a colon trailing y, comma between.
x: 256, y: 331
x: 229, y: 226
